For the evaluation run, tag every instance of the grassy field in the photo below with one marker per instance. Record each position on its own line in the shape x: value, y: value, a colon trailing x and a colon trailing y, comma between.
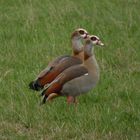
x: 33, y: 32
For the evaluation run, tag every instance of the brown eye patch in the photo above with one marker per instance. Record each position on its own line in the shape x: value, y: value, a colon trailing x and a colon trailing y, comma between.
x: 93, y: 38
x: 81, y: 32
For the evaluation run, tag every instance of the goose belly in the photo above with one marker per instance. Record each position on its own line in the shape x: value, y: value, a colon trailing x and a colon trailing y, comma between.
x: 78, y: 86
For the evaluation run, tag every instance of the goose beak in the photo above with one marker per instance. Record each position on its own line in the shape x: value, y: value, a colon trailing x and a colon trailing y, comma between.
x: 85, y: 36
x: 100, y: 43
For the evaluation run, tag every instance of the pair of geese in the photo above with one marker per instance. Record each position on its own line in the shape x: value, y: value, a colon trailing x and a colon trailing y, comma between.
x: 73, y: 75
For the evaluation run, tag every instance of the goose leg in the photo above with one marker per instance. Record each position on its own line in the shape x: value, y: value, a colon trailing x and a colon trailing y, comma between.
x: 70, y: 99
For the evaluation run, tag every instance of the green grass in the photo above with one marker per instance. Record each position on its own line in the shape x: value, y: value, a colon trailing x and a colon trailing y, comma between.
x: 33, y: 32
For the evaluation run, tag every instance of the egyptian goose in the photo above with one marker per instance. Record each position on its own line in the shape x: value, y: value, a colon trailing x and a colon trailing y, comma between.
x: 77, y: 79
x: 61, y: 63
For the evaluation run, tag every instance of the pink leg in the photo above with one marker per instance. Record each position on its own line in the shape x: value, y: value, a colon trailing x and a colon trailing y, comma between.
x: 70, y: 99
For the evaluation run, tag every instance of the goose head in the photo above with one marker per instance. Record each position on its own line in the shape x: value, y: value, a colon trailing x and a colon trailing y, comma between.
x: 95, y: 40
x: 92, y: 40
x: 79, y: 33
x: 76, y: 38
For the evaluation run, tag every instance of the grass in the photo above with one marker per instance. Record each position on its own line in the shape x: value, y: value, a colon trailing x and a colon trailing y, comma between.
x: 34, y: 32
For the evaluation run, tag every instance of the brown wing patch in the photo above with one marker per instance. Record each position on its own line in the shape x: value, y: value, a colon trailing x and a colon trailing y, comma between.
x: 55, y: 88
x: 48, y: 77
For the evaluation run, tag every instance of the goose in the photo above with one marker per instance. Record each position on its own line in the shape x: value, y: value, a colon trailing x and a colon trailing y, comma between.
x: 61, y: 63
x: 77, y: 79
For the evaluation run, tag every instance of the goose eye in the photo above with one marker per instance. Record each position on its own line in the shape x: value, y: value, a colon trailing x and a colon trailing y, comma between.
x: 93, y: 38
x: 81, y: 32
